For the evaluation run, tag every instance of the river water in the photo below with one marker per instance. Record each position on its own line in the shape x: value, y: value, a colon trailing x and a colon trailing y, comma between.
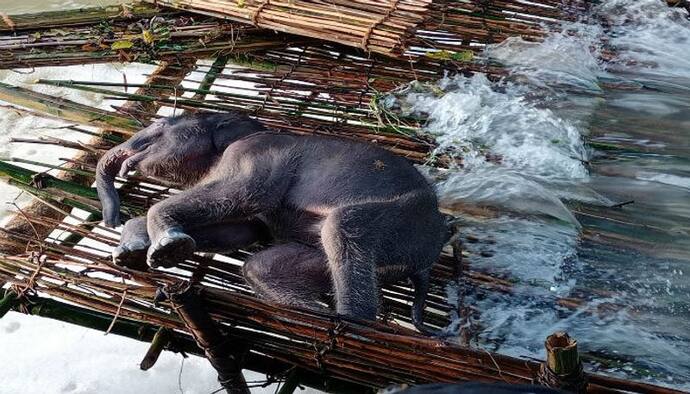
x: 569, y: 136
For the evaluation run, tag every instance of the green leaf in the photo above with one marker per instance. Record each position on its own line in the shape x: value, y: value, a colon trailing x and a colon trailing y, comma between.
x: 148, y: 37
x: 123, y: 44
x: 462, y: 56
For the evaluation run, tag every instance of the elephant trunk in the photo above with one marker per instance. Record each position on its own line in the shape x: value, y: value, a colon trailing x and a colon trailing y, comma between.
x: 106, y: 170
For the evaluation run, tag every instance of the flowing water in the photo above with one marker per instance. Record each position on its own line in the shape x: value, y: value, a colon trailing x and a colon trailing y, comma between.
x: 547, y: 154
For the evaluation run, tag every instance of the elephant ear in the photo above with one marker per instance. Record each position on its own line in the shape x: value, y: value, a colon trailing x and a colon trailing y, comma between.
x: 231, y: 127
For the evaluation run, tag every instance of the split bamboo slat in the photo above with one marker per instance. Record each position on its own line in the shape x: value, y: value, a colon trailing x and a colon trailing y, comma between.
x: 374, y: 26
x: 346, y: 351
x: 450, y: 29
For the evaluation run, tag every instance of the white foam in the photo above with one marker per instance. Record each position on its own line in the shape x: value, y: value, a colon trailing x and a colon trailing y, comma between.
x: 667, y: 179
x: 648, y: 36
x: 567, y: 58
x: 535, y: 121
x: 533, y: 147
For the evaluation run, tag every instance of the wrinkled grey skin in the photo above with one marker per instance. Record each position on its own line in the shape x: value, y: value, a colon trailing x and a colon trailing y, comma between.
x: 343, y: 216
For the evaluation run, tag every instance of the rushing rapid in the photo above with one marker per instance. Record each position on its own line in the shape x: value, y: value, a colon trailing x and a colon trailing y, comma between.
x: 548, y: 152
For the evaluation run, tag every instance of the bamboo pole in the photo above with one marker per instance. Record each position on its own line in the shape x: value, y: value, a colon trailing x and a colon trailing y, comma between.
x: 77, y: 17
x: 180, y: 343
x: 206, y: 84
x: 225, y: 354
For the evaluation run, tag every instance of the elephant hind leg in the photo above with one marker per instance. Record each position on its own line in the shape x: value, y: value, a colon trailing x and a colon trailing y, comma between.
x: 290, y: 274
x: 398, y: 237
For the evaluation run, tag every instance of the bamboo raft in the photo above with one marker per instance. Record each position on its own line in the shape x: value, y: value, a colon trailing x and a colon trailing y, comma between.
x: 54, y: 254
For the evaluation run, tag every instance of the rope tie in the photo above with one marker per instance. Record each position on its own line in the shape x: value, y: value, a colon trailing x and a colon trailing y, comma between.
x: 575, y: 382
x: 367, y: 36
x: 321, y: 349
x: 255, y: 15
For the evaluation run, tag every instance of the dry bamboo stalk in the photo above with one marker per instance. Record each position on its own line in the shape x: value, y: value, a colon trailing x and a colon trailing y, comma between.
x: 77, y: 17
x: 381, y: 27
x: 393, y: 27
x: 362, y: 352
x: 347, y: 369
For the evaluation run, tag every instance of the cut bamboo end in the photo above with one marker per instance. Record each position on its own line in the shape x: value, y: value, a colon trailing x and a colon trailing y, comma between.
x: 160, y: 341
x: 563, y: 368
x: 561, y: 353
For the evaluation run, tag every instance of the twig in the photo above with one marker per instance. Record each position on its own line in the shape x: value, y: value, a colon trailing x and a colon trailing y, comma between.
x: 117, y: 312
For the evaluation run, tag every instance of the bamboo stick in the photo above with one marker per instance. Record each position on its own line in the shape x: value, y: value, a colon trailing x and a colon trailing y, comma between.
x: 98, y: 35
x: 66, y: 109
x: 78, y: 17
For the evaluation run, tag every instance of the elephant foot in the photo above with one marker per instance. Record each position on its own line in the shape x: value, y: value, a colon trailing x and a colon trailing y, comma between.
x: 171, y: 249
x: 131, y: 255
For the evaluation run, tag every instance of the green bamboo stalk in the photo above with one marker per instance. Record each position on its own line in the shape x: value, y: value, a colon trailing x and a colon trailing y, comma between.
x: 77, y: 17
x: 68, y: 193
x: 291, y: 383
x: 305, y: 108
x: 7, y: 303
x: 253, y: 63
x: 144, y: 332
x: 80, y: 316
x: 11, y: 172
x: 207, y: 83
x: 74, y: 238
x: 88, y: 86
x: 106, y: 136
x: 67, y: 110
x: 38, y: 163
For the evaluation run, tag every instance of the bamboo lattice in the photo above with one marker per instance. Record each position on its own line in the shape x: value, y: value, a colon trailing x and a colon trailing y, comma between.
x: 299, y: 87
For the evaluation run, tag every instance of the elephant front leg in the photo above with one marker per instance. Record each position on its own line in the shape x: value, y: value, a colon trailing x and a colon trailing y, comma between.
x: 171, y: 221
x: 216, y: 238
x: 134, y: 242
